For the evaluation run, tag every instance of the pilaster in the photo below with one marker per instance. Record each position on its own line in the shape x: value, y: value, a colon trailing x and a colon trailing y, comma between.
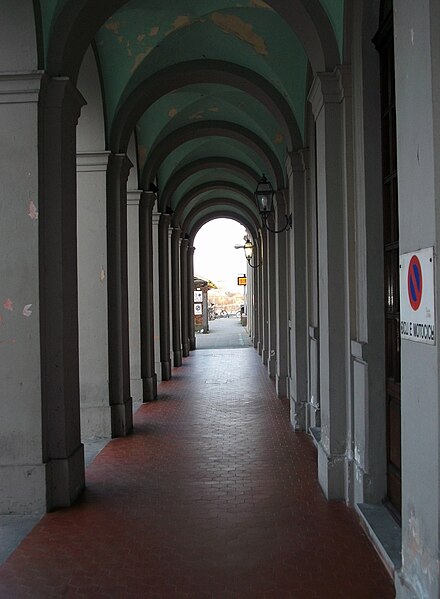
x: 281, y: 294
x: 164, y: 294
x: 176, y: 297
x: 184, y: 296
x: 297, y: 164
x: 146, y: 278
x: 191, y: 329
x: 133, y: 242
x: 156, y: 296
x: 326, y: 96
x: 92, y: 294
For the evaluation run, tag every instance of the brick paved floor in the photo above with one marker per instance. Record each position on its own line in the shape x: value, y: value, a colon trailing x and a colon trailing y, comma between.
x: 213, y: 497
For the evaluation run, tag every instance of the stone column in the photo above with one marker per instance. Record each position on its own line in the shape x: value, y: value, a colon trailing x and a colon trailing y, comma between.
x: 191, y: 329
x: 22, y: 468
x: 156, y: 295
x: 417, y: 61
x: 272, y: 301
x: 118, y: 328
x: 164, y: 294
x: 92, y: 294
x: 175, y: 297
x: 326, y: 97
x: 148, y: 374
x: 184, y: 295
x: 281, y: 295
x: 296, y: 171
x: 264, y: 276
x: 62, y: 448
x: 133, y: 209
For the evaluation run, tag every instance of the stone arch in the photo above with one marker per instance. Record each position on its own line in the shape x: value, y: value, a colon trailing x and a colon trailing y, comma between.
x: 225, y: 204
x: 201, y: 71
x: 205, y: 164
x: 210, y: 129
x: 78, y: 21
x: 205, y: 187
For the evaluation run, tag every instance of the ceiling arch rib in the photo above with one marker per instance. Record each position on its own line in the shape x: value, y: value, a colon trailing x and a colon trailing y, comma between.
x: 219, y: 210
x: 246, y: 172
x: 75, y: 23
x: 215, y: 186
x: 201, y: 71
x: 205, y: 129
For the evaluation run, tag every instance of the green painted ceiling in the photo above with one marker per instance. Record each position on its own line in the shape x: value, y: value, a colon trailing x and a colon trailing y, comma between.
x: 146, y: 36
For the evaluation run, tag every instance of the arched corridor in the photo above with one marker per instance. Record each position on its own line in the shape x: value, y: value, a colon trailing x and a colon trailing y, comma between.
x: 213, y: 496
x: 125, y: 127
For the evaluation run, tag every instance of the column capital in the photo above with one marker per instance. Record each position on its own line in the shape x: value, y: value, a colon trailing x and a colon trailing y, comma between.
x: 176, y: 231
x: 120, y: 163
x: 134, y: 197
x: 156, y: 218
x: 191, y: 249
x: 147, y: 199
x: 330, y: 88
x: 18, y: 88
x: 89, y: 162
x: 298, y: 162
x: 185, y: 244
x: 62, y: 94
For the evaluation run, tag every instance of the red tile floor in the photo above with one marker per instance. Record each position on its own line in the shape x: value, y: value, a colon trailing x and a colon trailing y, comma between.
x: 212, y: 497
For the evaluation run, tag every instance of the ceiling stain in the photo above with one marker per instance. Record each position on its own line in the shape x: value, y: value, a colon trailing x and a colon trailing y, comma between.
x: 180, y: 22
x: 140, y: 38
x: 260, y: 4
x: 242, y: 30
x: 154, y: 31
x: 214, y: 109
x: 197, y: 116
x: 172, y: 112
x: 139, y: 58
x: 279, y: 138
x: 113, y: 26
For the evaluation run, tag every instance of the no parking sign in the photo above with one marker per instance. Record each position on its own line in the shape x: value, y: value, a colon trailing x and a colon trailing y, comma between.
x: 417, y: 307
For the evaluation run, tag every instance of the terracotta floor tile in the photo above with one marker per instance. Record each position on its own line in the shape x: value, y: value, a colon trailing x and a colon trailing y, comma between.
x: 213, y: 497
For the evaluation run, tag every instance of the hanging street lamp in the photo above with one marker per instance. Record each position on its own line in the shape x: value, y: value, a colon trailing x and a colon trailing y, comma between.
x: 264, y: 196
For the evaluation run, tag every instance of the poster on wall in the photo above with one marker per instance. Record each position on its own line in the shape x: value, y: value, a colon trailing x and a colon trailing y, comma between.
x: 198, y: 296
x: 417, y: 305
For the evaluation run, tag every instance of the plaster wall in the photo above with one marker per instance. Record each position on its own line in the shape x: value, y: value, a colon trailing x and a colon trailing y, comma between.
x: 417, y: 50
x: 22, y: 473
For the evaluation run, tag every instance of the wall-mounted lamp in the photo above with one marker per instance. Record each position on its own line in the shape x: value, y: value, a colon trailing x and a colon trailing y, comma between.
x: 249, y: 252
x: 264, y: 195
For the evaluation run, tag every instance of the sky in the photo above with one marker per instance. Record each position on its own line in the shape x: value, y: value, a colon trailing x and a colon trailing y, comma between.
x: 215, y: 257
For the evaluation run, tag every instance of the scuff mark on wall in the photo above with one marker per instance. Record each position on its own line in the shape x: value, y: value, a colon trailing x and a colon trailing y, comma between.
x: 33, y: 212
x: 240, y: 29
x: 279, y: 138
x: 27, y: 310
x: 102, y: 275
x: 8, y: 305
x: 172, y: 112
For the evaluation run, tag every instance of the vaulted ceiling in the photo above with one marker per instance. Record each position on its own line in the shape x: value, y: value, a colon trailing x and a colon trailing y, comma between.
x: 215, y: 90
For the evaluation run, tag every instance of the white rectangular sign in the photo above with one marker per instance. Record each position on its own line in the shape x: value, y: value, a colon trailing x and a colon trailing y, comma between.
x: 198, y: 296
x: 417, y: 306
x: 198, y: 311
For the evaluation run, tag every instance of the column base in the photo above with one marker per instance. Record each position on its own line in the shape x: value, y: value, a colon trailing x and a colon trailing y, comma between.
x: 166, y: 370
x: 185, y: 350
x: 95, y: 421
x: 272, y: 365
x: 281, y: 386
x: 192, y: 344
x: 331, y: 473
x: 177, y: 359
x: 298, y: 414
x: 264, y: 356
x: 122, y: 418
x: 23, y: 489
x: 404, y: 589
x: 260, y: 348
x: 149, y: 388
x: 65, y: 479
